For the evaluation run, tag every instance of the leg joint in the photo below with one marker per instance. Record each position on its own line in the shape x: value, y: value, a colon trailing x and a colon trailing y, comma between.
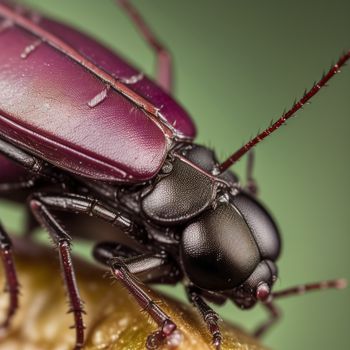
x: 118, y: 267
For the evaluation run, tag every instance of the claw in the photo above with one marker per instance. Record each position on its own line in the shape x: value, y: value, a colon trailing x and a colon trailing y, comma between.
x: 168, y: 334
x: 155, y: 340
x: 217, y: 341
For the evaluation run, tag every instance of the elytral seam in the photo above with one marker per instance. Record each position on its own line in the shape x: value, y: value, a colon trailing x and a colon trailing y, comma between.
x: 76, y: 56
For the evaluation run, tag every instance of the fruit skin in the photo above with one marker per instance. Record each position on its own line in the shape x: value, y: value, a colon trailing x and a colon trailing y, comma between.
x: 113, y: 319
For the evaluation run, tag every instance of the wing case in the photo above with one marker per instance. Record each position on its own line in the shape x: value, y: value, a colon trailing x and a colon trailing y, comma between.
x: 58, y: 109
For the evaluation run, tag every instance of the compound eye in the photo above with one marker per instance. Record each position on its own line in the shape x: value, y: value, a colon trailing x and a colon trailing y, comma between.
x: 260, y: 281
x: 262, y: 292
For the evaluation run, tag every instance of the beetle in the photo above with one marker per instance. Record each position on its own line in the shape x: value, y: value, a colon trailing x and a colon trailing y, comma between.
x: 188, y: 215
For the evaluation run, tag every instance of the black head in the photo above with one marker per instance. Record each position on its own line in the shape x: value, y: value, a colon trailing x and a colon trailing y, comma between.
x: 230, y: 242
x: 232, y: 249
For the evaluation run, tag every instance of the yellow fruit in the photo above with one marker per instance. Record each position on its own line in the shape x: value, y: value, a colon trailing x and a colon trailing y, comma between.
x: 114, y: 321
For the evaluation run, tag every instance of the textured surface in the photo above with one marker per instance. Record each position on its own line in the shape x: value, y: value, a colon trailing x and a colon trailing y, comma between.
x: 63, y: 113
x: 219, y: 244
x: 206, y: 159
x: 179, y: 196
x: 113, y: 320
x: 237, y: 66
x: 118, y: 67
x: 261, y: 224
x: 114, y: 140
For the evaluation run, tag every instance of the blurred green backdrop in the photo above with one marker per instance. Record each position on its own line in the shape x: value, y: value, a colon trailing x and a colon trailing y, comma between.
x: 237, y: 65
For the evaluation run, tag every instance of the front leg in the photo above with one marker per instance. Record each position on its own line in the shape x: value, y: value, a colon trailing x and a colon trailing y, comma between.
x: 274, y: 316
x: 41, y: 206
x: 167, y: 326
x: 146, y: 264
x: 210, y: 317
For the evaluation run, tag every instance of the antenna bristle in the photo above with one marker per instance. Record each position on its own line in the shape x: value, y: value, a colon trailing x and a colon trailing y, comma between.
x: 297, y: 105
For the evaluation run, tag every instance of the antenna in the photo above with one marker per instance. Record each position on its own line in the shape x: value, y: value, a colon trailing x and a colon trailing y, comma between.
x: 286, y: 115
x: 301, y: 289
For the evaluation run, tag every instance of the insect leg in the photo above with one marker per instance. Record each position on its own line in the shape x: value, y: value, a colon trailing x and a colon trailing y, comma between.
x: 80, y: 204
x: 155, y: 267
x: 12, y: 190
x: 167, y: 331
x: 105, y: 251
x: 12, y: 285
x: 297, y: 290
x: 147, y: 267
x: 31, y: 163
x: 63, y: 241
x: 14, y: 186
x: 164, y: 61
x: 251, y: 185
x: 210, y: 317
x: 36, y: 166
x: 274, y: 314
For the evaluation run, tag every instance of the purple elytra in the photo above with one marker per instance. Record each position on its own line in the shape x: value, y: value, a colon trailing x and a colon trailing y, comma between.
x: 60, y: 111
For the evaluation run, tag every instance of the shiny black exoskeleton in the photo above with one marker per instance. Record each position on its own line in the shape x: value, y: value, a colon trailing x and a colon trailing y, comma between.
x: 193, y: 222
x: 203, y: 229
x: 228, y: 241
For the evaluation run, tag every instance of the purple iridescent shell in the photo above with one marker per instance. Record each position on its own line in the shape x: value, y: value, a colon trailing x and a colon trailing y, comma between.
x: 55, y: 108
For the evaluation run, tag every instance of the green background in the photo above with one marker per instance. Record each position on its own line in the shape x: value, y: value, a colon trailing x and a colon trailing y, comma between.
x: 237, y: 65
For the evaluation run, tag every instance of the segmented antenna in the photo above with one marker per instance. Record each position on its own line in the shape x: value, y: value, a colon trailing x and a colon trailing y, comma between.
x: 303, y: 288
x: 296, y: 106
